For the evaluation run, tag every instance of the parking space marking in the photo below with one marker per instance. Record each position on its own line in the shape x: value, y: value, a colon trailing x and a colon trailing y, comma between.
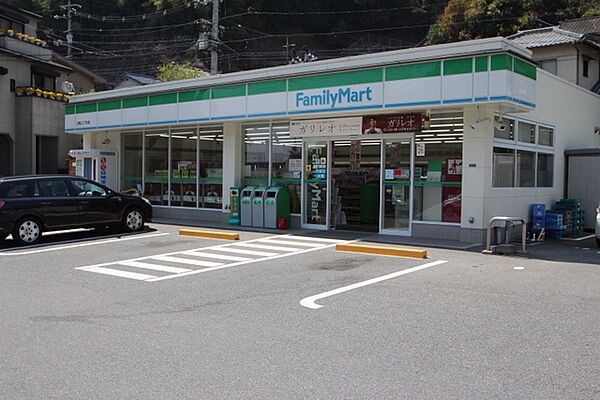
x: 181, y: 260
x: 15, y: 252
x: 309, y: 302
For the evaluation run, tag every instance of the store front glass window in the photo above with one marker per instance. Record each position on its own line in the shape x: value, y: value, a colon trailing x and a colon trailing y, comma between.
x: 210, y: 188
x: 131, y: 169
x: 504, y: 167
x: 525, y: 168
x: 526, y: 132
x: 438, y: 170
x: 287, y: 163
x: 545, y: 136
x: 184, y: 168
x: 545, y: 170
x: 157, y: 169
x: 256, y: 155
x: 508, y: 133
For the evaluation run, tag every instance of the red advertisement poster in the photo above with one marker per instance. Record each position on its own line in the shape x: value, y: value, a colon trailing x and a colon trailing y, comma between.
x: 393, y: 123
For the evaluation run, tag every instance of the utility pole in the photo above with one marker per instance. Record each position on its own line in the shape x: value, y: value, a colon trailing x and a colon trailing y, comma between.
x: 214, y: 55
x: 70, y: 8
x: 289, y: 55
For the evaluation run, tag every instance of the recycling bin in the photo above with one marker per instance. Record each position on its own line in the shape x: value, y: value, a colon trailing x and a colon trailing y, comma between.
x: 258, y: 208
x: 246, y: 205
x: 277, y: 205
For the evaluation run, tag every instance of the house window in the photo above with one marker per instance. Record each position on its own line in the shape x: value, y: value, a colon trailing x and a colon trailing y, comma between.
x: 6, y: 24
x: 586, y: 67
x: 42, y: 81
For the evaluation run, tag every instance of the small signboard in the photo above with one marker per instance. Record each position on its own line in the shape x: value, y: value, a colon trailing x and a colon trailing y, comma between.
x: 393, y: 123
x: 326, y: 127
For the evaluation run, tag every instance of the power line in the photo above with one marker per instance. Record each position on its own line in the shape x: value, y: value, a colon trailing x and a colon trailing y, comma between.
x: 338, y: 12
x: 136, y: 18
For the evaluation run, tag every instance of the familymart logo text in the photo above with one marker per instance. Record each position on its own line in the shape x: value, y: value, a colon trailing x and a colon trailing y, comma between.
x: 333, y: 98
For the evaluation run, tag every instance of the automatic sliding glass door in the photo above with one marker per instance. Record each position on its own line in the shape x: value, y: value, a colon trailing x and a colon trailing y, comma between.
x: 314, y: 187
x: 397, y: 187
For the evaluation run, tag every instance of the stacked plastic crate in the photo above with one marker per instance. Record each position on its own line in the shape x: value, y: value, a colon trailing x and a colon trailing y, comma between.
x: 573, y: 215
x: 555, y: 226
x: 538, y: 220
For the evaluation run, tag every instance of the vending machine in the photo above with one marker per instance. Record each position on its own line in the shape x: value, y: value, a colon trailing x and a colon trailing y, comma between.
x: 452, y: 189
x: 98, y: 165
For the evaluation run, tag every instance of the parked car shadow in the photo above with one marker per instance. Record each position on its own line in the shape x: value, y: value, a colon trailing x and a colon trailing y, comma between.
x: 72, y: 236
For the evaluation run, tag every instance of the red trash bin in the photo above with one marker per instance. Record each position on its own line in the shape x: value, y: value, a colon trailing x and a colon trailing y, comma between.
x: 282, y: 223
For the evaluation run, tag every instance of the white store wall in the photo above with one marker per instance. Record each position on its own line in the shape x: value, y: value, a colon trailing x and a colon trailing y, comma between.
x: 574, y: 112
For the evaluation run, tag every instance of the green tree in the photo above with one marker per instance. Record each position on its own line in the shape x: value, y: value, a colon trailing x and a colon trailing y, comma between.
x: 474, y: 19
x: 175, y: 72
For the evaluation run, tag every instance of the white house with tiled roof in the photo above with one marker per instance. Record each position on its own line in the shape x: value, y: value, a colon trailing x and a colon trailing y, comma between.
x: 571, y: 55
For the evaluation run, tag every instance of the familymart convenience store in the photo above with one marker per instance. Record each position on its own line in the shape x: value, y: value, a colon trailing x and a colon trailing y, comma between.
x: 375, y: 142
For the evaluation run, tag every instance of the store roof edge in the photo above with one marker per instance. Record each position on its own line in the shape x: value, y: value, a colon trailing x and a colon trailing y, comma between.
x: 371, y: 60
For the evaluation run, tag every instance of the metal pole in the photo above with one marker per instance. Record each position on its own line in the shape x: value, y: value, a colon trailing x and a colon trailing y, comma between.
x: 69, y: 30
x: 214, y: 56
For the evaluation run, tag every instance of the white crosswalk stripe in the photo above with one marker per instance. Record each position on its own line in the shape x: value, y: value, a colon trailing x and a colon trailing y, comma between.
x: 247, y: 252
x: 217, y: 256
x: 211, y: 258
x: 267, y: 247
x: 155, y: 267
x: 289, y: 242
x: 187, y: 261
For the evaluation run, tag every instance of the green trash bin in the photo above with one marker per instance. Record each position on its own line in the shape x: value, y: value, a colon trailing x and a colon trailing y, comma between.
x: 277, y: 205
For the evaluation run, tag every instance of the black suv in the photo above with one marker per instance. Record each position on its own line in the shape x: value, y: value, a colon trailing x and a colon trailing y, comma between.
x: 30, y: 205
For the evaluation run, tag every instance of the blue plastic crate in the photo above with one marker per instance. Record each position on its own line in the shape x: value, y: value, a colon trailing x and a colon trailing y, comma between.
x: 538, y: 210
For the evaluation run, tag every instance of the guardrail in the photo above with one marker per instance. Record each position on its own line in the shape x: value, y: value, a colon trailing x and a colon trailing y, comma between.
x: 508, y: 222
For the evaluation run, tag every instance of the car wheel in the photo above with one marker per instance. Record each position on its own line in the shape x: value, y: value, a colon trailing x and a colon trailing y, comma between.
x: 27, y: 230
x: 133, y: 220
x: 598, y: 241
x: 2, y: 237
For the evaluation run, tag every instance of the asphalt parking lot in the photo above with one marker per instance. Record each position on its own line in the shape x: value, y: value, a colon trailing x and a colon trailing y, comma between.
x: 156, y: 315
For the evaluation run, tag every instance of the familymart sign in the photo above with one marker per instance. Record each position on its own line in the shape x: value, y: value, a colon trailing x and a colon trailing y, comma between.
x: 467, y: 80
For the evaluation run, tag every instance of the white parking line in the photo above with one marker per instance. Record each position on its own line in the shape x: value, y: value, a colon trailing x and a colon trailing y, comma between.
x: 115, y: 239
x: 309, y: 302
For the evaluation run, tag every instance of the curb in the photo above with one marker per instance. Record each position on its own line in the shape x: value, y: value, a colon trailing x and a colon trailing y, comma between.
x: 210, y: 234
x: 381, y: 250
